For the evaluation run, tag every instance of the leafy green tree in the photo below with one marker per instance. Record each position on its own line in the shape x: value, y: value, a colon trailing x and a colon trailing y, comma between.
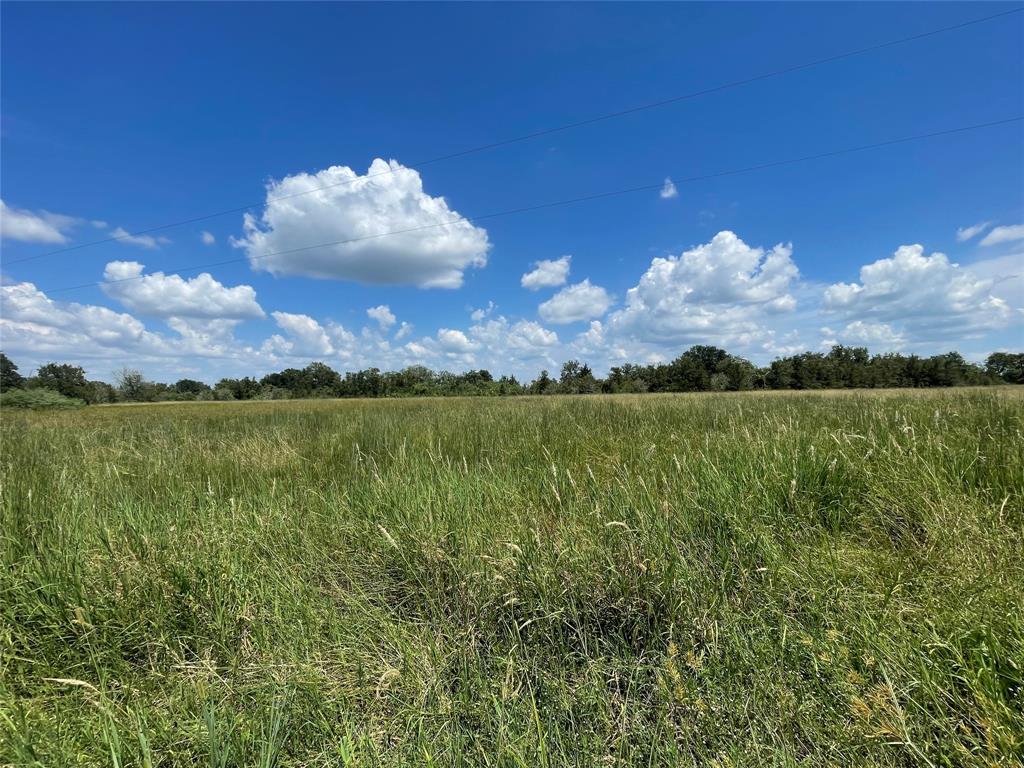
x: 737, y: 372
x: 240, y: 389
x: 543, y: 384
x: 69, y: 380
x: 190, y: 387
x: 223, y: 393
x: 1007, y: 366
x: 576, y: 378
x: 509, y: 385
x: 101, y: 392
x: 708, y: 357
x: 626, y: 378
x: 9, y: 376
x: 320, y: 379
x: 131, y: 385
x: 686, y: 374
x: 846, y: 366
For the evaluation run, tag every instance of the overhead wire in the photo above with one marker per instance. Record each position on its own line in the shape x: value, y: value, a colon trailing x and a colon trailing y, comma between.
x: 568, y: 201
x: 540, y: 133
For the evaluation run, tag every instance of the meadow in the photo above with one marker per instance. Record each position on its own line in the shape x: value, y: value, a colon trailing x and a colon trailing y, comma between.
x: 755, y: 579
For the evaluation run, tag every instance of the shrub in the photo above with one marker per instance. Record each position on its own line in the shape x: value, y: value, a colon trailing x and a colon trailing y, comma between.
x: 38, y: 399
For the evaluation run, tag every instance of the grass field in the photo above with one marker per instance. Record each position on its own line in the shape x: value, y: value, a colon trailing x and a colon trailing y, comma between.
x: 712, y: 580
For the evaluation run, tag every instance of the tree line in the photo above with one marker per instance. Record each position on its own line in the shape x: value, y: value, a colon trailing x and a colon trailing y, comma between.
x: 701, y: 368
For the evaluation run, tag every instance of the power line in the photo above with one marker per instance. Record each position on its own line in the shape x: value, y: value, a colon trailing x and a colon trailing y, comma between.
x: 569, y: 201
x: 544, y: 132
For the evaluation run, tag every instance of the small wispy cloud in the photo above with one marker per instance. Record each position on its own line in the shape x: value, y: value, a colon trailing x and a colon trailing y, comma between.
x: 34, y: 226
x: 966, y: 233
x: 1005, y: 234
x: 383, y: 315
x: 143, y: 241
x: 207, y: 238
x: 482, y: 312
x: 668, y: 190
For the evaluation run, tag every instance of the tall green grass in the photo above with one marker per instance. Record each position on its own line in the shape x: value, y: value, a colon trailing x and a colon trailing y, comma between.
x: 712, y: 580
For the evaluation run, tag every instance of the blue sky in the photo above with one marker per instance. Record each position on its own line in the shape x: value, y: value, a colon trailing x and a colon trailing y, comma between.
x: 121, y: 117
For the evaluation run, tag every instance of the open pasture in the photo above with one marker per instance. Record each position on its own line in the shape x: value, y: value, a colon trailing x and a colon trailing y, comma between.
x: 713, y: 580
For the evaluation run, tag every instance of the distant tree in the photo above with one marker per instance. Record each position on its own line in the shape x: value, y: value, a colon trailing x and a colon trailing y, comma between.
x: 189, y: 387
x: 708, y: 357
x: 509, y: 385
x: 9, y: 376
x: 718, y: 382
x: 320, y: 379
x: 780, y: 374
x: 69, y: 380
x: 131, y: 385
x: 223, y: 393
x: 685, y: 374
x: 847, y: 366
x: 626, y: 378
x: 543, y: 384
x: 576, y: 379
x: 241, y: 389
x: 269, y: 392
x: 700, y: 368
x: 890, y: 370
x: 1007, y: 366
x: 474, y: 382
x: 951, y: 370
x: 101, y: 392
x: 738, y: 373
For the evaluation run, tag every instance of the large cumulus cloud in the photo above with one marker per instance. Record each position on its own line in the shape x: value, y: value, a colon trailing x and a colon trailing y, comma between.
x: 160, y: 295
x: 926, y: 298
x: 430, y: 245
x: 716, y: 292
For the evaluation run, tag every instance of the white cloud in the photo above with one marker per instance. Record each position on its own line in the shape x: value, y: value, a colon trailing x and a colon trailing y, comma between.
x: 343, y: 339
x: 205, y: 336
x: 160, y: 295
x: 876, y: 336
x: 383, y: 315
x: 25, y: 306
x: 718, y: 292
x: 723, y: 292
x: 455, y: 341
x: 420, y: 352
x: 963, y: 234
x: 25, y: 303
x: 431, y: 246
x: 528, y: 336
x: 933, y: 298
x: 39, y: 330
x: 668, y: 191
x: 34, y: 226
x: 306, y: 336
x: 403, y: 331
x: 1006, y: 274
x: 143, y: 241
x: 32, y: 321
x: 547, y: 273
x: 483, y: 312
x: 507, y: 343
x: 581, y: 301
x: 1004, y: 234
x: 207, y: 238
x: 594, y: 345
